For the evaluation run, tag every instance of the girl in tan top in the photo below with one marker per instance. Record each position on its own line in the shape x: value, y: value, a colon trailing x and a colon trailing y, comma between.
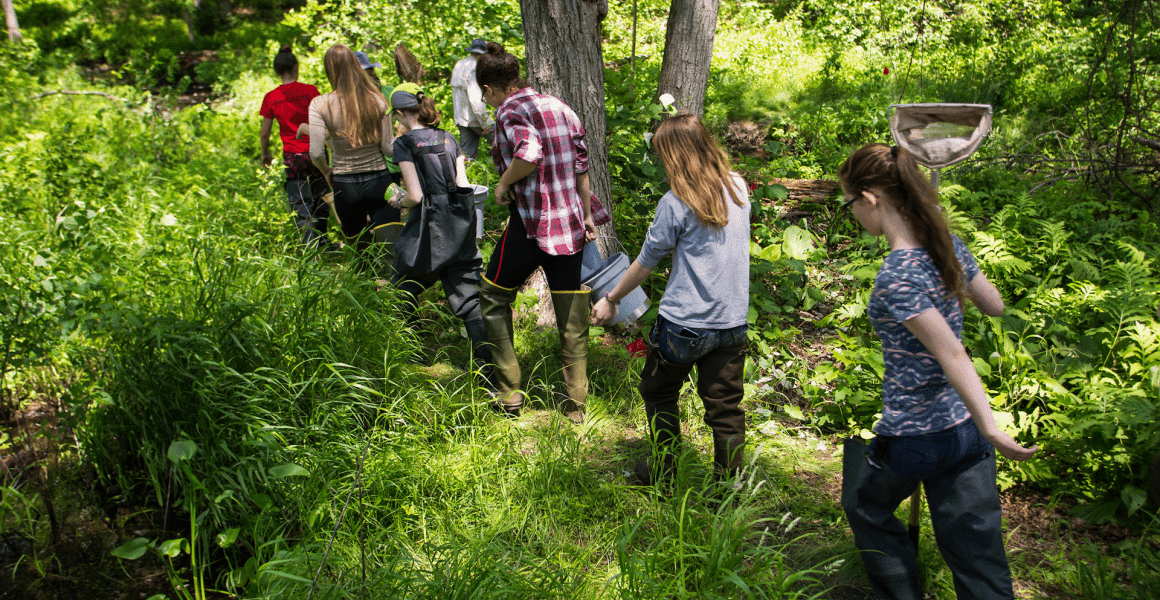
x: 355, y: 119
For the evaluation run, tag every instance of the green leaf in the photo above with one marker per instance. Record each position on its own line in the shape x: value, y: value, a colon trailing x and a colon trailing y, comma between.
x: 171, y: 548
x: 288, y: 470
x: 797, y: 243
x: 794, y: 411
x: 1133, y: 498
x: 262, y: 500
x: 182, y: 450
x: 227, y: 538
x: 132, y: 550
x: 981, y: 367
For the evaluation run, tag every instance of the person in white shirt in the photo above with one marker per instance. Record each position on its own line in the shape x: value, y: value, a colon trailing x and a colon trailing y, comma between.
x: 471, y: 113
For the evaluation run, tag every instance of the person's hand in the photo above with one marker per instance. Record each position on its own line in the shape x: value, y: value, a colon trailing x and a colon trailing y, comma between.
x: 267, y: 159
x: 501, y: 191
x: 1010, y: 448
x: 589, y: 229
x: 303, y: 131
x: 603, y: 312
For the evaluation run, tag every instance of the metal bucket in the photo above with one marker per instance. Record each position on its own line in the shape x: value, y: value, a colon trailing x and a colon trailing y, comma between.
x: 602, y: 275
x: 479, y: 198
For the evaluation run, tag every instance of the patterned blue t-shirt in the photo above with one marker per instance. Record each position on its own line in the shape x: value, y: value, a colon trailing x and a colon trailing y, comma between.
x: 916, y: 396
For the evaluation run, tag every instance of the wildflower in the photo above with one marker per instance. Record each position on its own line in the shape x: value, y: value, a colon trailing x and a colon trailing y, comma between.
x: 886, y: 71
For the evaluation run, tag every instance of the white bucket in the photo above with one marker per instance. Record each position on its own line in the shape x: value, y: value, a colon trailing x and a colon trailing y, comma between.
x: 602, y: 277
x: 480, y: 197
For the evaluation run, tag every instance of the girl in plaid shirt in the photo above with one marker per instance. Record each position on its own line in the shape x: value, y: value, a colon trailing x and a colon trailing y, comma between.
x: 540, y: 151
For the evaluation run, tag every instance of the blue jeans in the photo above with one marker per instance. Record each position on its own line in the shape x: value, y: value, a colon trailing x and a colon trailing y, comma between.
x: 683, y: 345
x: 942, y: 452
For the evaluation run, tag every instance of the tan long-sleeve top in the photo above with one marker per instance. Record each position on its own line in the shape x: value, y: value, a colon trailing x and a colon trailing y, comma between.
x: 325, y: 122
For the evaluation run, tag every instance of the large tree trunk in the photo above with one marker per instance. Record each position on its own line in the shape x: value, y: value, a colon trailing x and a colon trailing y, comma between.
x: 13, y: 27
x: 565, y: 58
x: 688, y: 53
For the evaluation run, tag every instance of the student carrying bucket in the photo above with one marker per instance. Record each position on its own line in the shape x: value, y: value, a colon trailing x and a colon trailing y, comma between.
x: 704, y: 223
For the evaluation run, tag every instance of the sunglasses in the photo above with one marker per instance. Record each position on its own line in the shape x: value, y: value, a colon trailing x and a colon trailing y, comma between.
x: 849, y: 201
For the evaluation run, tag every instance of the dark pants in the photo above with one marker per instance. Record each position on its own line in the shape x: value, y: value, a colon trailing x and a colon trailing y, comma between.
x: 517, y: 256
x: 469, y: 141
x: 957, y: 469
x: 460, y: 287
x: 359, y: 200
x: 719, y: 355
x: 311, y: 214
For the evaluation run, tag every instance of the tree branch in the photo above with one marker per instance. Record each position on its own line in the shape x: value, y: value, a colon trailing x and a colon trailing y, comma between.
x: 79, y: 93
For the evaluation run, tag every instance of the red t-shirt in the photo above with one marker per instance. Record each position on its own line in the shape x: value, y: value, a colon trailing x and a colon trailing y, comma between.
x: 288, y: 104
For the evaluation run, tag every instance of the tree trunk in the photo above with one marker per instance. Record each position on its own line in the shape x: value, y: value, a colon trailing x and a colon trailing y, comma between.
x: 565, y: 58
x: 688, y: 53
x: 13, y: 27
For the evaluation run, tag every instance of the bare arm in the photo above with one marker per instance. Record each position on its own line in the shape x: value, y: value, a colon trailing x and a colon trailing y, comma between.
x: 985, y: 297
x: 932, y: 330
x: 410, y: 183
x: 584, y: 187
x: 264, y: 141
x: 604, y: 310
x: 461, y: 172
x: 519, y: 169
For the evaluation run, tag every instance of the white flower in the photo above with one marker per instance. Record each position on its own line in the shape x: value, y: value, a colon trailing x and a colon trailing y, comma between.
x: 39, y: 261
x: 821, y: 447
x: 648, y: 138
x: 667, y: 99
x: 169, y: 220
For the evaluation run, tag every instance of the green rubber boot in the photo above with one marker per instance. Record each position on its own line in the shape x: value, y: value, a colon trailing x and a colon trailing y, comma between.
x: 495, y: 304
x: 572, y: 312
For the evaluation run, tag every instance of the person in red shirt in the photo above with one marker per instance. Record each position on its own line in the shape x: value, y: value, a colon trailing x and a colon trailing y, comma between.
x: 540, y: 151
x: 305, y: 184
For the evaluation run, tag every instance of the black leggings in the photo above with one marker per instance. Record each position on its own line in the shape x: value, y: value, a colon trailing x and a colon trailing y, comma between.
x: 518, y: 256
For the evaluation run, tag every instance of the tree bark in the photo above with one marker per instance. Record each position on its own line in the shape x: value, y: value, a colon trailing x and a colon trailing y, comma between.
x: 13, y: 27
x: 565, y: 58
x: 688, y: 53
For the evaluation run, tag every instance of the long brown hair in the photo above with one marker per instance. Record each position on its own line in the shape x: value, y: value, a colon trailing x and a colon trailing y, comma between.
x: 698, y: 169
x: 892, y: 170
x: 361, y: 102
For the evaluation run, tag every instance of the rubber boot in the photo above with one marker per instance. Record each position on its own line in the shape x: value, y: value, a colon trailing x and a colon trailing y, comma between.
x: 480, y: 349
x: 495, y: 305
x: 572, y: 323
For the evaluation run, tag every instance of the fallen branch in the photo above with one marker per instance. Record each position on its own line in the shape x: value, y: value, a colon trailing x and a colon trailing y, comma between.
x: 79, y: 93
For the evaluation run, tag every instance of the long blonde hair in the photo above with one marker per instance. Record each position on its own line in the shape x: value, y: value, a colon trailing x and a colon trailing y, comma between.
x: 698, y: 169
x: 360, y: 100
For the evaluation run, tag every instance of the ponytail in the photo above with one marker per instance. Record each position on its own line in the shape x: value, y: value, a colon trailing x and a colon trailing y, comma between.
x: 285, y: 60
x: 893, y: 170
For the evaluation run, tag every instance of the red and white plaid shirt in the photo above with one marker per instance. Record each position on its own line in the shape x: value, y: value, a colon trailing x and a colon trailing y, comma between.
x: 544, y: 131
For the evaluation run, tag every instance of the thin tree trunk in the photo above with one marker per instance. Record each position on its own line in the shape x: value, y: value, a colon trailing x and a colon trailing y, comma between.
x: 688, y: 53
x: 10, y: 17
x: 565, y: 58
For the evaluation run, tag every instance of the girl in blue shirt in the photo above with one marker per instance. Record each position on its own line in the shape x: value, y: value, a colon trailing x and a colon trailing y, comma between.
x: 937, y: 428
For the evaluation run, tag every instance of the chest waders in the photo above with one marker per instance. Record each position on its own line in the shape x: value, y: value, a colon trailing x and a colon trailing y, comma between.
x: 437, y: 243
